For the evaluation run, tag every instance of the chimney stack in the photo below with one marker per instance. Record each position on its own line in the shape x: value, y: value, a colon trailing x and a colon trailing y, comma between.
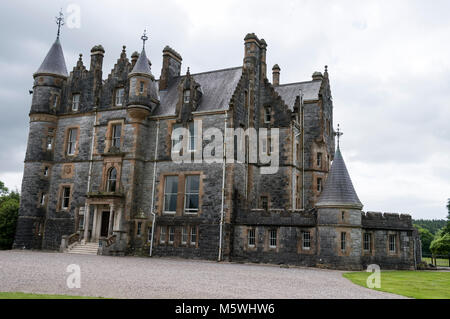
x: 171, y: 67
x: 276, y: 75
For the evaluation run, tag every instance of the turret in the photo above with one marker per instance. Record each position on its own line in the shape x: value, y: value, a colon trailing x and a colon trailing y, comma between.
x: 339, y: 218
x: 143, y: 96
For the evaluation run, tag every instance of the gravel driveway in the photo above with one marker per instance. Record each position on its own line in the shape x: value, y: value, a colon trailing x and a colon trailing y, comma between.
x: 134, y: 277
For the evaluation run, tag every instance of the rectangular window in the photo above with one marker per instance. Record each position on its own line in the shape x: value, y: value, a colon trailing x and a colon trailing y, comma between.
x: 184, y: 235
x: 75, y: 102
x: 319, y: 160
x: 306, y: 240
x: 72, y: 141
x: 171, y: 235
x: 273, y: 238
x: 162, y: 235
x: 265, y: 202
x: 141, y: 87
x: 319, y: 184
x: 191, y: 197
x: 267, y: 114
x: 116, y: 134
x: 65, y: 200
x: 193, y: 235
x: 139, y: 229
x: 392, y: 243
x: 343, y: 241
x: 170, y: 194
x: 251, y: 237
x: 192, y: 136
x: 367, y: 241
x: 119, y: 96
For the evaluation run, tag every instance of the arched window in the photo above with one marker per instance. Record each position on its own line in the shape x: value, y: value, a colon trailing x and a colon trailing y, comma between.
x: 112, y: 180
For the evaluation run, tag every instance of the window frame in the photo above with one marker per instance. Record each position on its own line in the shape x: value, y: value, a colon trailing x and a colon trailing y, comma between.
x: 76, y: 97
x: 319, y: 184
x: 193, y: 234
x: 72, y: 141
x: 186, y: 96
x: 184, y: 235
x: 162, y: 234
x: 175, y: 178
x: 251, y: 236
x: 119, y: 98
x: 273, y: 238
x: 116, y: 128
x: 343, y: 241
x: 267, y: 114
x: 393, y: 243
x: 367, y: 242
x: 306, y: 240
x: 171, y: 235
x: 109, y: 180
x: 190, y: 211
x: 319, y: 159
x: 64, y: 197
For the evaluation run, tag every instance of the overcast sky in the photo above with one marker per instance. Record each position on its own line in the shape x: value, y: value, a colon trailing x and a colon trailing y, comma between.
x: 389, y: 66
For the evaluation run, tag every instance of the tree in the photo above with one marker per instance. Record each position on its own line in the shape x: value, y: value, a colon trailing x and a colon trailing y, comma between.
x: 426, y: 237
x: 447, y: 227
x: 441, y: 245
x: 9, y: 212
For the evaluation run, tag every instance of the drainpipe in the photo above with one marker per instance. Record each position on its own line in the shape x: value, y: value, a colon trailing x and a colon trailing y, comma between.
x: 223, y: 188
x: 302, y: 130
x: 153, y: 188
x: 91, y: 157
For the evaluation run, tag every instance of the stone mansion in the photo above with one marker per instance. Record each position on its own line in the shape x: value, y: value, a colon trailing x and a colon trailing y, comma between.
x: 99, y: 167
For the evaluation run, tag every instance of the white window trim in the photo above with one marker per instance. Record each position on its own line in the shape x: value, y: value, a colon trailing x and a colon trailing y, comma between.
x: 171, y: 233
x: 72, y: 150
x: 304, y: 240
x: 184, y: 235
x: 195, y: 210
x: 252, y: 230
x: 270, y: 238
x: 162, y: 239
x: 119, y: 96
x: 193, y: 232
x: 75, y: 102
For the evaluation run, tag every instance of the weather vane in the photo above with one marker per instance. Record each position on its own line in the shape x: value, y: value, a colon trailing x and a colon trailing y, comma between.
x: 338, y: 134
x: 144, y: 38
x: 60, y: 22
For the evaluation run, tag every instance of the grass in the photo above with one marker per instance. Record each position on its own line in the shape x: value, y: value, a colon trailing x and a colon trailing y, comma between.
x: 22, y: 295
x: 413, y: 284
x: 440, y: 262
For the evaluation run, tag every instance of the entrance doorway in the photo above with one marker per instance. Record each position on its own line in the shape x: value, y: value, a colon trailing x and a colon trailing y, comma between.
x: 105, y: 224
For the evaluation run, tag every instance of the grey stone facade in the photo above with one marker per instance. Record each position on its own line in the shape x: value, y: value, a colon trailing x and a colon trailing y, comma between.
x: 72, y: 153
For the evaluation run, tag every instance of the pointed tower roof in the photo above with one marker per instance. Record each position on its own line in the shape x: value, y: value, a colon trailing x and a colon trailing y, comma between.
x: 338, y: 190
x: 142, y: 65
x: 54, y: 63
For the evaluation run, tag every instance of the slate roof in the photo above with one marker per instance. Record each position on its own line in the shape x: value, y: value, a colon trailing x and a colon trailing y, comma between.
x: 142, y: 65
x: 54, y: 62
x: 338, y: 190
x: 217, y: 87
x: 289, y: 92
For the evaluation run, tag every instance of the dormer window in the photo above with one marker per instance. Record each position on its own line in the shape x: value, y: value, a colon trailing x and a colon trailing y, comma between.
x: 75, y: 102
x: 119, y: 96
x: 186, y: 96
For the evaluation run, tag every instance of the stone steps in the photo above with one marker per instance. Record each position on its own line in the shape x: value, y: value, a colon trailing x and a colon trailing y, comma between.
x: 84, y: 249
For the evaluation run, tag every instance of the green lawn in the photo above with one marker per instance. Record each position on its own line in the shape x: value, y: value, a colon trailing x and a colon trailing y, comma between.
x: 21, y: 295
x: 440, y: 262
x: 414, y: 284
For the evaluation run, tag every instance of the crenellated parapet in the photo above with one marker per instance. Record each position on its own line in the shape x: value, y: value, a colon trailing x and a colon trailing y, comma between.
x: 277, y: 217
x: 386, y: 220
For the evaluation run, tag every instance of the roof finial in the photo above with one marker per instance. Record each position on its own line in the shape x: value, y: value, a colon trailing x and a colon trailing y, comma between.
x: 144, y: 38
x: 338, y: 134
x: 60, y: 23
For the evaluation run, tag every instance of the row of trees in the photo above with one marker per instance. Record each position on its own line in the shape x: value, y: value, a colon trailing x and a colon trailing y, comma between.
x: 435, y: 235
x: 9, y: 212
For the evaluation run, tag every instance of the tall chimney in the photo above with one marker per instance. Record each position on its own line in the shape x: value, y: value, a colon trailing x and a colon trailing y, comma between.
x: 171, y: 67
x: 276, y: 75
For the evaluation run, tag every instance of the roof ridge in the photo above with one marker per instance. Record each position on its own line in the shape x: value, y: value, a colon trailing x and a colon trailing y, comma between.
x: 293, y: 83
x: 220, y: 70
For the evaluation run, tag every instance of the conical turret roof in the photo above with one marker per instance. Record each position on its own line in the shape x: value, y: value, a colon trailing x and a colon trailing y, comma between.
x: 338, y: 190
x: 54, y: 62
x: 142, y: 65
